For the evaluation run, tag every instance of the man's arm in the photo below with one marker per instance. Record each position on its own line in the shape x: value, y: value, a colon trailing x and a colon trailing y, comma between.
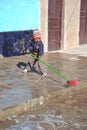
x: 41, y: 49
x: 27, y: 47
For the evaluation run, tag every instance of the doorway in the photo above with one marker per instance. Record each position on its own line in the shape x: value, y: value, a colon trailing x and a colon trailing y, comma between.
x: 83, y: 22
x: 54, y: 24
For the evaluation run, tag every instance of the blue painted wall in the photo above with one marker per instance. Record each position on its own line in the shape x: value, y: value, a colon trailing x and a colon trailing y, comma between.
x: 16, y: 15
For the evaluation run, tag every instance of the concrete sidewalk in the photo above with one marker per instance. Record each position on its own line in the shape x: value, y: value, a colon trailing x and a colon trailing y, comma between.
x: 17, y: 87
x: 80, y: 51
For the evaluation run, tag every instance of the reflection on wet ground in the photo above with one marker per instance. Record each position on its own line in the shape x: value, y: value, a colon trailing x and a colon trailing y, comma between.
x: 50, y: 120
x: 17, y: 87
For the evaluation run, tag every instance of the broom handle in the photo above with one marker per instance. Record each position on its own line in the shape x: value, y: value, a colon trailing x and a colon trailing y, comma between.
x: 51, y: 68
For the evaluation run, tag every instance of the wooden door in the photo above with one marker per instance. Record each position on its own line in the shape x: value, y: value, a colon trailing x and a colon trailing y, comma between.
x: 54, y: 24
x: 83, y: 22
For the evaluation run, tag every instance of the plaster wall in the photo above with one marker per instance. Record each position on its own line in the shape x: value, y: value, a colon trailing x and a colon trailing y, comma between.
x: 71, y: 22
x: 44, y: 22
x: 19, y: 15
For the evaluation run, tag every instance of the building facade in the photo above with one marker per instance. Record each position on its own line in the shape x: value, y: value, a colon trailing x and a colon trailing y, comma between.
x: 63, y: 24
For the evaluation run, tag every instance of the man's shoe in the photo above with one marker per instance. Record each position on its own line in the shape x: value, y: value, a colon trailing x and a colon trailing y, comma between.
x: 44, y: 75
x: 25, y: 71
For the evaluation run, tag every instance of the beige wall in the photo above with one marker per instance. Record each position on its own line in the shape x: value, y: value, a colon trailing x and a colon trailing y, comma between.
x: 71, y: 21
x: 44, y: 22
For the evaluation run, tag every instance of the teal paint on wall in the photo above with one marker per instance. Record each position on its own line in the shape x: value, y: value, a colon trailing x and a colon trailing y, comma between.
x: 16, y: 15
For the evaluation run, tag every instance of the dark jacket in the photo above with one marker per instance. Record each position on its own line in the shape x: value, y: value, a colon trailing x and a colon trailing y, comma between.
x: 35, y: 47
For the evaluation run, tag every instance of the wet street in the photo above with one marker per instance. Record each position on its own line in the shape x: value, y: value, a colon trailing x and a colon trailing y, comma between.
x: 54, y: 105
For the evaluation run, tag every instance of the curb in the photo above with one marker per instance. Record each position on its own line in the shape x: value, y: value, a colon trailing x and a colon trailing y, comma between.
x: 30, y: 104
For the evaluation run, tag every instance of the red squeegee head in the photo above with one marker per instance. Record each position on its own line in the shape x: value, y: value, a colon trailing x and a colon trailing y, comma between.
x: 72, y: 83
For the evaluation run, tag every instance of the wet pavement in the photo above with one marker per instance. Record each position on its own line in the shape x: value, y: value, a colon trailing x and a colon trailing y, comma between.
x: 17, y: 87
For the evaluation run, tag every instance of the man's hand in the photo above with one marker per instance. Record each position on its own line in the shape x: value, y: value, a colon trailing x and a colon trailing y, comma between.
x: 40, y: 57
x: 26, y: 51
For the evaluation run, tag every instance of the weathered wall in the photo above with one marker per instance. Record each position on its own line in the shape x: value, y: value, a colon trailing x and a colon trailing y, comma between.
x: 44, y: 22
x: 71, y: 21
x: 16, y: 24
x: 12, y: 43
x: 70, y: 25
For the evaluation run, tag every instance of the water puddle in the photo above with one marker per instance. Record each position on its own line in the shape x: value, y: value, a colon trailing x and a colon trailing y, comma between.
x: 74, y: 59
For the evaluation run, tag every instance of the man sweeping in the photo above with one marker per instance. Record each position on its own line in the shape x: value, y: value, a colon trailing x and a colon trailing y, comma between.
x: 36, y: 47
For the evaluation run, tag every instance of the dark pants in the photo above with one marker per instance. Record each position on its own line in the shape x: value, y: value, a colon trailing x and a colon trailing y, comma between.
x: 33, y: 61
